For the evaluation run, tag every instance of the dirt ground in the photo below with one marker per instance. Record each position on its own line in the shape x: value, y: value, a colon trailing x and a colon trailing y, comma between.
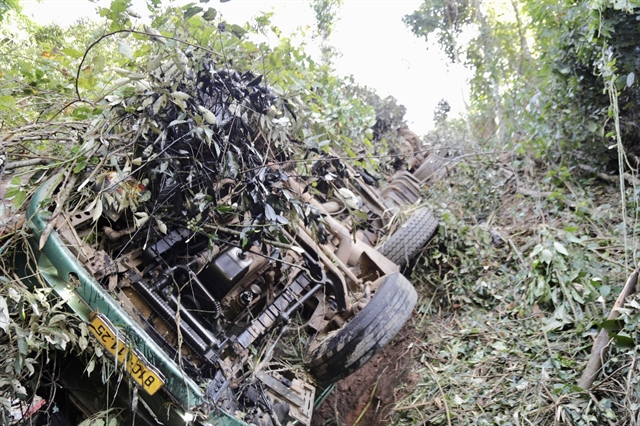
x: 353, y: 396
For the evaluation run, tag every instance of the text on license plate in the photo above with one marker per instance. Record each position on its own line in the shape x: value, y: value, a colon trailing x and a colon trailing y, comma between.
x: 146, y: 375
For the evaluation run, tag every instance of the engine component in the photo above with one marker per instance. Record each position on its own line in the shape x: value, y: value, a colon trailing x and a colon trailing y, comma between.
x: 155, y: 252
x: 246, y: 297
x: 225, y: 271
x: 195, y: 334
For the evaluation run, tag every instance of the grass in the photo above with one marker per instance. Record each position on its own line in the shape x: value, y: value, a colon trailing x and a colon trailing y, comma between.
x: 528, y: 262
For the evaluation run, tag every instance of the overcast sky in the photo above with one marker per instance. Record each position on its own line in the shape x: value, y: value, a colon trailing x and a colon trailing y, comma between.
x: 376, y: 47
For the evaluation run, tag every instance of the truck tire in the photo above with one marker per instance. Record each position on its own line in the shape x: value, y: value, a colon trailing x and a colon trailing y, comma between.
x: 405, y: 244
x: 350, y: 347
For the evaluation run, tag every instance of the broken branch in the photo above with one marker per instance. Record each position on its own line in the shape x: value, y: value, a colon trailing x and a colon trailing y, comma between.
x: 594, y: 365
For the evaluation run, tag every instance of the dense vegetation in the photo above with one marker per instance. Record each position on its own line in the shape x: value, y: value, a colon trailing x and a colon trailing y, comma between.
x: 539, y: 235
x: 538, y: 207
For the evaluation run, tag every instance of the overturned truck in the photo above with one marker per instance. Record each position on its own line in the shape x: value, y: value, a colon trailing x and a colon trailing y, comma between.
x: 232, y: 280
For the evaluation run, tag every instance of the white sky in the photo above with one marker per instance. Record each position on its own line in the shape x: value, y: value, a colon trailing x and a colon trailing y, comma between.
x: 377, y: 49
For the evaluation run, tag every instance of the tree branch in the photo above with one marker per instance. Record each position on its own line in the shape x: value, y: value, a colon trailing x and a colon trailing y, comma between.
x: 594, y: 365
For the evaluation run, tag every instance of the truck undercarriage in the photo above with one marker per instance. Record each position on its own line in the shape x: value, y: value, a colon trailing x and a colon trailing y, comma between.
x: 197, y: 283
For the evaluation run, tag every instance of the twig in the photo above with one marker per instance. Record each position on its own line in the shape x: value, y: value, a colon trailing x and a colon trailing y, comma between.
x: 409, y: 407
x: 534, y: 194
x: 444, y: 398
x: 428, y: 419
x: 515, y: 249
x: 595, y: 400
x: 131, y: 32
x: 608, y: 259
x: 546, y: 339
x: 597, y: 351
x: 25, y: 163
x: 629, y: 388
x: 62, y: 198
x: 211, y: 227
x: 631, y: 180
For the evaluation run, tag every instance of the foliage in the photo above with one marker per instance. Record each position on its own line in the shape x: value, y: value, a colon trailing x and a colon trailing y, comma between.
x: 531, y: 251
x: 445, y: 20
x: 441, y: 111
x: 513, y: 288
x: 382, y: 137
x: 528, y: 241
x: 326, y: 15
x: 34, y: 325
x: 9, y: 5
x: 326, y: 12
x: 543, y: 92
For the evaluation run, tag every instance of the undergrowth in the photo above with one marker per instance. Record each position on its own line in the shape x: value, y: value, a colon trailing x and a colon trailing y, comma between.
x: 527, y: 264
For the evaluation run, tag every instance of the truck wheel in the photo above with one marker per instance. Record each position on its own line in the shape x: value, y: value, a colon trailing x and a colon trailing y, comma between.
x: 335, y: 354
x: 405, y: 244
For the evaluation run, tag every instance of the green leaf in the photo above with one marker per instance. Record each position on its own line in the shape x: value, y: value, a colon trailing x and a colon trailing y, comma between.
x: 80, y: 165
x: 546, y: 255
x: 7, y: 103
x: 191, y: 11
x: 560, y: 248
x: 18, y: 196
x: 236, y: 30
x: 224, y: 209
x: 57, y: 318
x: 99, y: 62
x: 573, y: 239
x: 125, y: 49
x: 98, y: 210
x: 210, y: 14
x: 622, y: 340
x: 23, y: 346
x: 612, y: 325
x: 83, y: 343
x: 360, y: 215
x: 71, y: 52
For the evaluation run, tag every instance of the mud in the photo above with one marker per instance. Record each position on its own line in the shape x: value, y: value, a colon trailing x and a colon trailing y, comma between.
x: 352, y: 396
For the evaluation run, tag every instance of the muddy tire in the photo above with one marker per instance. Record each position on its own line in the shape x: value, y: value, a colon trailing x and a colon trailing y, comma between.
x: 410, y: 238
x: 350, y: 347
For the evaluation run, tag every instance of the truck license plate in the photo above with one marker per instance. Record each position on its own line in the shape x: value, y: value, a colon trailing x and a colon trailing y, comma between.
x: 142, y: 372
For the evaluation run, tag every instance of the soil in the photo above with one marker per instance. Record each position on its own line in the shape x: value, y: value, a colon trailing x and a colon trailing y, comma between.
x: 351, y: 396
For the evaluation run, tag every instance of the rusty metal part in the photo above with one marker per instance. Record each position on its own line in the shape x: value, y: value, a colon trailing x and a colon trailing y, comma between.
x: 337, y: 229
x: 298, y: 394
x: 355, y: 249
x: 307, y: 240
x: 274, y: 311
x: 344, y: 236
